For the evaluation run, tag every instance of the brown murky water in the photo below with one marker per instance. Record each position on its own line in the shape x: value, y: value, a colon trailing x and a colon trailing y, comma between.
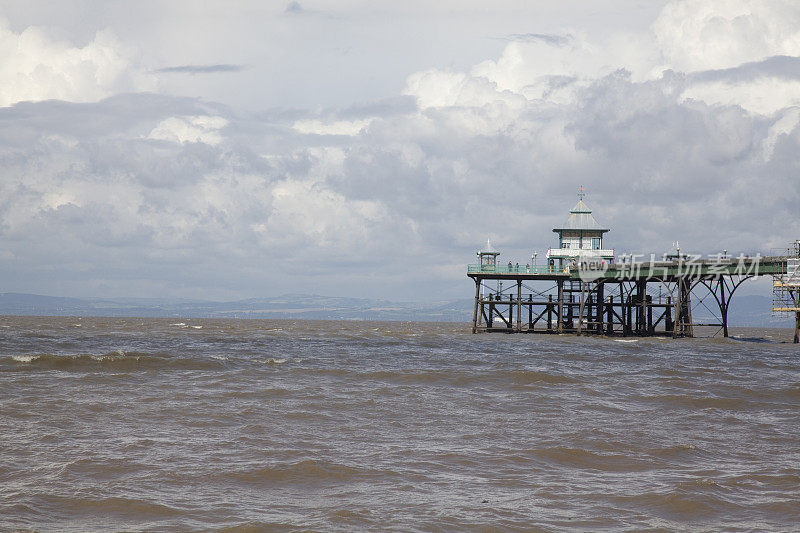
x: 176, y: 425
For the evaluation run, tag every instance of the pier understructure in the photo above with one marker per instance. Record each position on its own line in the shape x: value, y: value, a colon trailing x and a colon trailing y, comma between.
x: 669, y: 298
x: 786, y: 289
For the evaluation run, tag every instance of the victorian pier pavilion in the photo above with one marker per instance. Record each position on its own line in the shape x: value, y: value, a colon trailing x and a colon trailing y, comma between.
x: 583, y: 288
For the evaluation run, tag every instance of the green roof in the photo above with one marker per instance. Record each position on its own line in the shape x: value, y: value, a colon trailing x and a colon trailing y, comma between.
x: 581, y: 219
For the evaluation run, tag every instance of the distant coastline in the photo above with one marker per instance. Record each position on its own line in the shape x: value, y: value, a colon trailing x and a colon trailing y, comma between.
x: 747, y: 310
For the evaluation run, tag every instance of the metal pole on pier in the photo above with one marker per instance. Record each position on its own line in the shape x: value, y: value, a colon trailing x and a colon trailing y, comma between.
x: 477, y: 301
x: 560, y: 313
x: 581, y: 307
x: 796, y: 298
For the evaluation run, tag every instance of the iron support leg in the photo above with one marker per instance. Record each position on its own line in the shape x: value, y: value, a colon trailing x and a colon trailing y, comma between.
x: 519, y: 305
x: 723, y: 307
x: 560, y: 313
x: 797, y: 327
x: 477, y: 301
x: 581, y: 307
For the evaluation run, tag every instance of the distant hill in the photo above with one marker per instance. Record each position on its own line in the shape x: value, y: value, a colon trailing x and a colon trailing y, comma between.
x: 746, y: 310
x: 286, y: 306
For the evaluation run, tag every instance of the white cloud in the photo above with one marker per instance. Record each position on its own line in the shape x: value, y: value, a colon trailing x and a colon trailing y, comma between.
x: 783, y: 125
x: 696, y: 35
x: 688, y: 37
x: 339, y: 127
x: 190, y: 129
x: 36, y: 67
x: 765, y: 96
x: 333, y: 223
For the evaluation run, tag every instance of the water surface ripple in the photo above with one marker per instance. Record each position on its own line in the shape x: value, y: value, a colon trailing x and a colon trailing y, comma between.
x: 244, y: 425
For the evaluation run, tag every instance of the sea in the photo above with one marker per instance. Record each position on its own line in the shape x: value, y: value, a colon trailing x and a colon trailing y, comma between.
x: 125, y: 424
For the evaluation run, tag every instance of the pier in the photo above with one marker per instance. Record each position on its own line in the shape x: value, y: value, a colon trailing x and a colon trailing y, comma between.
x: 584, y: 289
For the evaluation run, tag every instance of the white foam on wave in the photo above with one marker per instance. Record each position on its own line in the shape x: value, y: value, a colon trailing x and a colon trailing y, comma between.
x: 24, y: 358
x: 274, y: 361
x: 196, y: 327
x: 179, y: 324
x: 626, y: 340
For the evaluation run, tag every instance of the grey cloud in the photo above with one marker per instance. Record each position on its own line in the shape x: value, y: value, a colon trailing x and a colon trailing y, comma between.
x: 202, y: 69
x: 397, y: 105
x: 782, y: 67
x: 268, y: 207
x: 547, y: 38
x: 134, y: 114
x: 294, y: 7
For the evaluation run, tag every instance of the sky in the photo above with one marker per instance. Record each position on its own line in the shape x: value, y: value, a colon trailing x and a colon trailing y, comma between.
x: 226, y: 150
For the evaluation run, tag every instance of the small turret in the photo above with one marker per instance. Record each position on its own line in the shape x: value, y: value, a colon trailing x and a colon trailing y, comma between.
x: 488, y: 258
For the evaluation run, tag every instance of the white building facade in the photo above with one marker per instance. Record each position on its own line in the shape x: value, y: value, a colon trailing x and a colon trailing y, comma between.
x: 580, y: 239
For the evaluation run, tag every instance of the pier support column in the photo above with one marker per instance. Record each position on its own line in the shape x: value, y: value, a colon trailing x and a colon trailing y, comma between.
x: 581, y: 307
x: 510, y: 323
x: 629, y: 319
x: 641, y: 311
x: 723, y: 307
x: 550, y: 312
x: 599, y: 316
x: 519, y: 305
x: 610, y: 318
x: 687, y: 304
x: 560, y: 313
x: 477, y: 302
x: 668, y: 325
x: 571, y: 310
x: 797, y: 327
x: 683, y: 309
x: 677, y: 312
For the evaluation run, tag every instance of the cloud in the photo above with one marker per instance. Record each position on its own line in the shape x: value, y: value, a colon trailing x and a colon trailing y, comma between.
x: 36, y: 67
x: 551, y: 39
x: 164, y: 201
x: 294, y: 7
x: 339, y: 127
x: 201, y: 69
x: 780, y: 67
x: 177, y: 196
x: 696, y: 35
x: 200, y: 128
x: 761, y: 86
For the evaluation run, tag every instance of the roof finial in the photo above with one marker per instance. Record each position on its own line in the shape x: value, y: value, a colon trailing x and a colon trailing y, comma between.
x: 581, y: 192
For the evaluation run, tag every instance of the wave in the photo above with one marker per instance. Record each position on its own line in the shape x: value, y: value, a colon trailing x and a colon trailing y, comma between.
x: 259, y: 527
x: 680, y: 505
x: 586, y: 459
x: 308, y: 471
x: 676, y: 452
x: 117, y: 360
x: 126, y: 506
x: 700, y: 402
x: 458, y: 378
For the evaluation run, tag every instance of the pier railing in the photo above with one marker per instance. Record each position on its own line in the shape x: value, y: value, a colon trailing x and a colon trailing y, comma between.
x: 688, y: 268
x: 514, y: 269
